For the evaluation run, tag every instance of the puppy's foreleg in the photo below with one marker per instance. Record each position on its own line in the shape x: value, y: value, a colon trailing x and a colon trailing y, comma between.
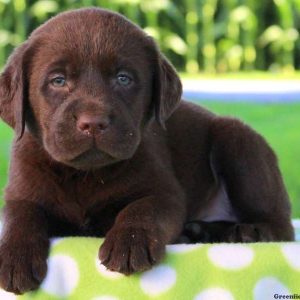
x: 24, y: 247
x: 141, y: 231
x: 246, y: 164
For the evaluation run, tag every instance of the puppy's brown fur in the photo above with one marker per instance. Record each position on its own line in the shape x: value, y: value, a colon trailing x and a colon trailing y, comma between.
x: 109, y: 150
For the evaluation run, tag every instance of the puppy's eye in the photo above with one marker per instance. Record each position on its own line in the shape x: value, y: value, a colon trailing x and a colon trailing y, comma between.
x: 123, y: 79
x: 58, y: 81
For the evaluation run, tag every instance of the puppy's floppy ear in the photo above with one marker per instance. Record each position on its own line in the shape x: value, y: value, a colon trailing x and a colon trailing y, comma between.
x: 13, y: 92
x: 167, y: 89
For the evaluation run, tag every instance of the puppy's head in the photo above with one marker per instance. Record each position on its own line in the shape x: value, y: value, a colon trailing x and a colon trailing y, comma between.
x: 86, y: 83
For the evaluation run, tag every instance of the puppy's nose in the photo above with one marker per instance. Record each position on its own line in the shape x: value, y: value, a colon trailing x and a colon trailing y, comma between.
x: 90, y: 125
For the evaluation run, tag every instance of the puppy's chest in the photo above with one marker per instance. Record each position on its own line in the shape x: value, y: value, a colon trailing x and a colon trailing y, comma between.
x: 83, y: 201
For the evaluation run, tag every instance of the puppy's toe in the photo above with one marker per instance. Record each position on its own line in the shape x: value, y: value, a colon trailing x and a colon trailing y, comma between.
x: 140, y: 258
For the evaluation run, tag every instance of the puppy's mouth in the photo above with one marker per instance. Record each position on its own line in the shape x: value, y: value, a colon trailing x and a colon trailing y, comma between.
x: 91, y: 159
x: 89, y: 154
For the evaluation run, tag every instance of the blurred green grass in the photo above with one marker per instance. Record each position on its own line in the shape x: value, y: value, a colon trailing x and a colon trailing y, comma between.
x: 278, y: 123
x: 5, y: 143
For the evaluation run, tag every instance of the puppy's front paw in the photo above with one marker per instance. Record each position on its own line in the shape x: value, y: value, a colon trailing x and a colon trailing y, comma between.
x: 131, y: 249
x: 23, y: 266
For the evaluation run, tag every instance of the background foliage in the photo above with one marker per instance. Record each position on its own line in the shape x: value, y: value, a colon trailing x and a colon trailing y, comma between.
x: 207, y: 35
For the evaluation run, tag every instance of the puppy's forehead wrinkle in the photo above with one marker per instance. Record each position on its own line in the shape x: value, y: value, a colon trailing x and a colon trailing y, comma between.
x: 92, y: 32
x: 85, y: 53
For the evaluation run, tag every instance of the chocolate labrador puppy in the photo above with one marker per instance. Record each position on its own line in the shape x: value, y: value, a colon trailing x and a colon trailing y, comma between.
x: 104, y: 147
